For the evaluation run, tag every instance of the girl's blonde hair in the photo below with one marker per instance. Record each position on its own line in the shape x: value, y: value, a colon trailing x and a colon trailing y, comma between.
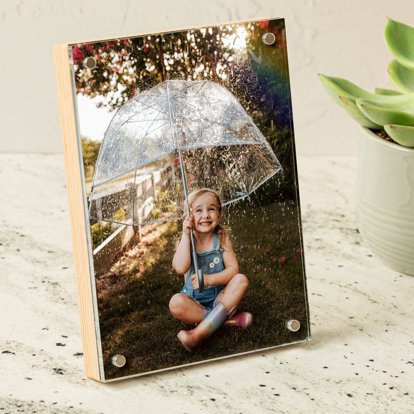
x: 222, y: 231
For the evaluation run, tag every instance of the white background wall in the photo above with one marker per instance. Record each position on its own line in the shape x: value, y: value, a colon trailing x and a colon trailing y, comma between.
x: 341, y: 38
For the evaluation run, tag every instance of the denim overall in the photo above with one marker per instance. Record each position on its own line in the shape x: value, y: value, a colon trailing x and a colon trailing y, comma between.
x: 210, y: 262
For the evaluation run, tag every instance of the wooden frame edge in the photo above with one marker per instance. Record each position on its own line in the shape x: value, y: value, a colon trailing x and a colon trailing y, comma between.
x: 76, y: 210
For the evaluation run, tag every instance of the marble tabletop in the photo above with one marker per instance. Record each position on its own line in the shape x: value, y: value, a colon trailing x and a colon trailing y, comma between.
x: 360, y: 358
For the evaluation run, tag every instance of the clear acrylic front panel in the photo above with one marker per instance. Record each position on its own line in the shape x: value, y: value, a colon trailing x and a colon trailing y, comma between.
x: 160, y: 117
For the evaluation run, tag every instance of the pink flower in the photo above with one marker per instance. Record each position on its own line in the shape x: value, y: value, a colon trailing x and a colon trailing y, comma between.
x: 282, y: 259
x: 77, y: 54
x: 263, y: 24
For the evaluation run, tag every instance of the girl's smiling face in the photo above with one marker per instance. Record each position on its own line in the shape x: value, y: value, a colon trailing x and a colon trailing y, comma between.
x: 206, y: 212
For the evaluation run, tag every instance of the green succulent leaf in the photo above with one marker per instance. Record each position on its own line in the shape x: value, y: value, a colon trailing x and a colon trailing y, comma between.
x: 399, y: 38
x: 402, y: 134
x: 382, y: 91
x: 338, y: 87
x: 401, y: 76
x: 345, y: 94
x: 384, y: 110
x: 353, y: 111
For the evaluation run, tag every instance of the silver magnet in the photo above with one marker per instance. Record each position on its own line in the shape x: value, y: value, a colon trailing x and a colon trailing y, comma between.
x: 119, y: 361
x: 268, y: 38
x: 89, y: 62
x: 293, y: 325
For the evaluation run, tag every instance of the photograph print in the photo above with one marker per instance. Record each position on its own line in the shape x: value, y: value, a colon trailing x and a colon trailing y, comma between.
x: 191, y: 187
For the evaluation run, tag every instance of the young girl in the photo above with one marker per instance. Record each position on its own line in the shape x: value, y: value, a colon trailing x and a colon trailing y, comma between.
x: 224, y: 285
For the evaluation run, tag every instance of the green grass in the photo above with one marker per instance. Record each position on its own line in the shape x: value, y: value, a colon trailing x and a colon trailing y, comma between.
x: 134, y: 316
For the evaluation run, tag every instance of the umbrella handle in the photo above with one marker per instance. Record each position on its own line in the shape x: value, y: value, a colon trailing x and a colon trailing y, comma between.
x: 200, y: 280
x: 193, y: 249
x: 195, y: 262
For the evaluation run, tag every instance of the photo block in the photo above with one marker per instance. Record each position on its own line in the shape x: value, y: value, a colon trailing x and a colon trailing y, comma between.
x: 184, y: 197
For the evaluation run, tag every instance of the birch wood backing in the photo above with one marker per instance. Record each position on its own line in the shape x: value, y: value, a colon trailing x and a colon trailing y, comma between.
x: 76, y: 210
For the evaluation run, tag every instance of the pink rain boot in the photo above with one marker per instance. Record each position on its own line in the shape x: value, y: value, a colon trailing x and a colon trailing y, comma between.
x: 242, y: 320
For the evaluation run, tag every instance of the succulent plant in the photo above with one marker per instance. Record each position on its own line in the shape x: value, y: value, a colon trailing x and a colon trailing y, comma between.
x: 389, y: 110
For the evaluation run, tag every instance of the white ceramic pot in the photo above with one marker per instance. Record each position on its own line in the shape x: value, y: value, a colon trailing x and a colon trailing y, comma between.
x: 385, y: 200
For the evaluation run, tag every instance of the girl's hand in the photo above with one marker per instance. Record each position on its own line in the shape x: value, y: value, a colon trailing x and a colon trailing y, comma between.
x: 194, y: 281
x: 188, y: 224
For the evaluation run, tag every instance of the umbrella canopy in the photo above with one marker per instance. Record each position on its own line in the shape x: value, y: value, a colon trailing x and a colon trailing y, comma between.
x: 201, y: 122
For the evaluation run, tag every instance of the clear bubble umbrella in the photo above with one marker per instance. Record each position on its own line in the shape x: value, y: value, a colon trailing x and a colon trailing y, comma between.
x: 169, y: 140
